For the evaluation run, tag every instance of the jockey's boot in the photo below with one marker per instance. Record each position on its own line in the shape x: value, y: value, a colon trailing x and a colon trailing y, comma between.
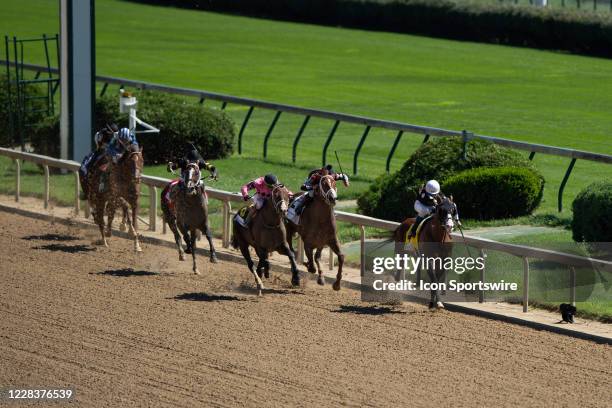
x: 418, y: 220
x: 250, y: 215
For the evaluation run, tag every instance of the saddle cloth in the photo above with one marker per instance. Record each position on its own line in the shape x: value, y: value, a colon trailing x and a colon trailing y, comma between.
x: 295, y: 209
x: 413, y: 242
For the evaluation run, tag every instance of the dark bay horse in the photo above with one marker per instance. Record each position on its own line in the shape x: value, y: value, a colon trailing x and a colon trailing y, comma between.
x: 435, y: 241
x: 318, y: 229
x: 123, y: 192
x: 187, y: 211
x: 266, y: 233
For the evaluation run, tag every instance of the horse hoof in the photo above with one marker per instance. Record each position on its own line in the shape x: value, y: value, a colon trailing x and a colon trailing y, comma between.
x: 321, y: 281
x: 295, y: 281
x: 213, y: 259
x: 188, y: 250
x: 196, y: 271
x: 440, y: 305
x: 181, y: 257
x: 266, y: 274
x: 431, y: 306
x: 259, y: 288
x: 336, y: 285
x: 138, y: 249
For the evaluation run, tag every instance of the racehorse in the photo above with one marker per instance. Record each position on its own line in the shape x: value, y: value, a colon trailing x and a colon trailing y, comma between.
x: 317, y: 228
x: 123, y: 191
x: 434, y: 241
x: 266, y: 233
x: 185, y: 208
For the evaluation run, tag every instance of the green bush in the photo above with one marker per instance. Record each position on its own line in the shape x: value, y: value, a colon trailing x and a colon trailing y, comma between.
x: 212, y: 131
x: 540, y: 27
x: 6, y: 140
x: 488, y: 193
x: 592, y: 208
x: 392, y: 196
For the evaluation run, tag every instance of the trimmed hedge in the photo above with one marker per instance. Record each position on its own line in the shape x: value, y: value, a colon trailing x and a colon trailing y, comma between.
x: 551, y: 28
x: 35, y: 104
x: 488, y: 193
x: 211, y: 130
x: 592, y: 208
x: 392, y: 196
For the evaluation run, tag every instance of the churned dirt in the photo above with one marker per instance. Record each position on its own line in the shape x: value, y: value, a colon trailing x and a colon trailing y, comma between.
x: 126, y: 329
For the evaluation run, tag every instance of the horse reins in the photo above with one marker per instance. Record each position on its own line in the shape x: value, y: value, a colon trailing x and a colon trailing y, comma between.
x: 327, y: 193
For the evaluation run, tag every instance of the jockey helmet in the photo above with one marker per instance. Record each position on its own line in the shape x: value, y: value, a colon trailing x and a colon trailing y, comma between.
x: 124, y: 135
x: 271, y: 180
x: 328, y: 168
x: 432, y: 187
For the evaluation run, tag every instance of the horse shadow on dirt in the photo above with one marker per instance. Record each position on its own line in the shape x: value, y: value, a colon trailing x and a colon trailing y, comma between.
x: 368, y: 310
x: 127, y: 272
x: 51, y: 237
x: 71, y: 249
x: 206, y: 297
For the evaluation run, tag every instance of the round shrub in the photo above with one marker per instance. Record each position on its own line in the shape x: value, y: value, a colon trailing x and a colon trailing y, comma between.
x: 487, y: 193
x: 392, y: 196
x: 592, y: 208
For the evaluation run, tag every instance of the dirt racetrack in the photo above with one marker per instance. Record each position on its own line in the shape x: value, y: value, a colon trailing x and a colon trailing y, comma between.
x: 127, y: 329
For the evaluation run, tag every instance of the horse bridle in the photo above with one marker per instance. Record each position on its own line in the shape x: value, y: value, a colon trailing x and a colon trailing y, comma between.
x: 277, y: 204
x: 329, y: 193
x: 192, y: 170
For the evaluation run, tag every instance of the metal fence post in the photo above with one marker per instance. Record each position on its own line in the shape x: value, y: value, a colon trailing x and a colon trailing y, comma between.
x: 152, y: 208
x: 243, y: 127
x: 46, y: 194
x: 17, y: 179
x: 77, y: 189
x: 573, y: 286
x: 359, y: 146
x: 525, y: 284
x: 300, y: 251
x: 298, y: 137
x: 328, y: 142
x: 331, y: 259
x: 564, y: 182
x: 481, y: 294
x: 392, y: 151
x: 362, y: 249
x: 269, y: 133
x: 225, y: 233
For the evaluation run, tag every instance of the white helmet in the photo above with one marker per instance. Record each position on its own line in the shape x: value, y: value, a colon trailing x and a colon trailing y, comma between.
x: 432, y: 187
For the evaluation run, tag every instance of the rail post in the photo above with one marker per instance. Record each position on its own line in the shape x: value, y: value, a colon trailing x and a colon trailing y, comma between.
x: 46, y: 194
x: 564, y: 182
x: 243, y: 127
x: 362, y: 249
x: 328, y: 141
x: 392, y: 151
x: 331, y: 259
x: 152, y: 208
x: 17, y: 179
x: 573, y: 286
x: 359, y: 146
x: 298, y: 137
x: 269, y: 133
x: 87, y: 209
x: 226, y: 224
x: 481, y: 293
x: 525, y: 284
x: 77, y: 190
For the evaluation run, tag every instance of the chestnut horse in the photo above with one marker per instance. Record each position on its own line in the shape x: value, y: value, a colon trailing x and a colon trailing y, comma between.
x: 434, y: 241
x: 187, y: 212
x: 266, y: 233
x: 318, y: 229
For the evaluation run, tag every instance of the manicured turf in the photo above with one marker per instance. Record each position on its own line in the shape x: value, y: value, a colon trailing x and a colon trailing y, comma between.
x: 524, y: 94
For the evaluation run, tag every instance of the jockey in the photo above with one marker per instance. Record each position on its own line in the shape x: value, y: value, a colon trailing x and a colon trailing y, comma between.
x: 101, y: 138
x: 193, y: 156
x: 425, y: 204
x: 263, y: 187
x: 315, y: 175
x: 121, y: 142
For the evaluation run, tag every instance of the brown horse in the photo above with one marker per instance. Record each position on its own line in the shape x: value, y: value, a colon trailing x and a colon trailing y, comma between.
x: 435, y: 241
x: 186, y: 210
x: 123, y: 191
x: 317, y: 228
x: 266, y: 233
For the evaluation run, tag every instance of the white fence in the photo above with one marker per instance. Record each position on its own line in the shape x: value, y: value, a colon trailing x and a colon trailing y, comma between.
x: 153, y: 183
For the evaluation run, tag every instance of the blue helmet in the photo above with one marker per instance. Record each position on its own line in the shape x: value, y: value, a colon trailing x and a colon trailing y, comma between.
x: 124, y: 135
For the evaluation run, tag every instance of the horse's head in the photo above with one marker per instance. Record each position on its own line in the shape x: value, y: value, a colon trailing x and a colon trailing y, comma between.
x: 280, y: 199
x: 190, y: 178
x: 327, y: 189
x: 446, y: 212
x: 133, y: 163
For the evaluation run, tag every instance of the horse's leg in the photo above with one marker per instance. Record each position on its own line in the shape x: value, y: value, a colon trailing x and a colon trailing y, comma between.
x: 99, y: 218
x: 134, y: 206
x: 295, y: 276
x: 171, y: 221
x: 123, y: 225
x: 261, y: 262
x: 186, y: 236
x: 441, y: 277
x: 110, y: 213
x: 193, y: 237
x: 244, y: 249
x: 132, y: 230
x: 433, y: 280
x: 335, y: 246
x: 310, y: 258
x: 320, y: 279
x: 213, y: 253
